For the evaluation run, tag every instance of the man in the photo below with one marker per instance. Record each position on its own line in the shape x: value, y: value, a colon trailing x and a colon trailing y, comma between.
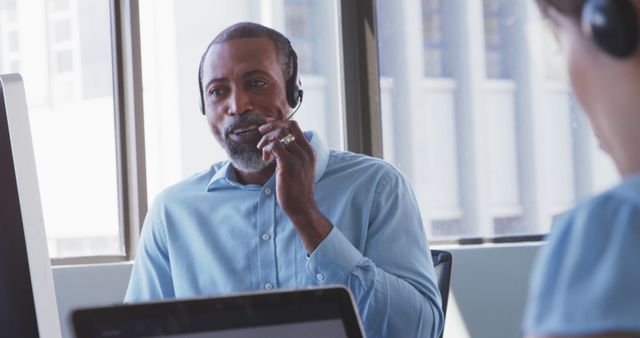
x: 285, y: 211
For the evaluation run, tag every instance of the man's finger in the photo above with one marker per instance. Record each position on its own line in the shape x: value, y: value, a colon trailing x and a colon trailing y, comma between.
x: 281, y: 152
x: 272, y: 136
x: 272, y: 125
x: 292, y: 126
x: 299, y: 135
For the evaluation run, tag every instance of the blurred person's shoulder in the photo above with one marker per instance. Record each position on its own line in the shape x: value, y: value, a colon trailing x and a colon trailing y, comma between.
x: 617, y: 207
x: 586, y: 277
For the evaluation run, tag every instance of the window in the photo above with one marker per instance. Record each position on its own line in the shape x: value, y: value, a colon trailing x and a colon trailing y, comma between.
x: 14, y: 66
x: 174, y: 34
x: 495, y: 18
x: 475, y: 107
x: 299, y: 29
x: 62, y: 31
x: 13, y: 41
x: 434, y: 49
x: 64, y: 61
x: 9, y: 39
x: 67, y: 47
x: 9, y: 11
x: 59, y: 5
x: 481, y: 118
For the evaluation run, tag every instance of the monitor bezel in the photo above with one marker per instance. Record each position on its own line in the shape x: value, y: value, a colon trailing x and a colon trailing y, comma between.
x: 87, y: 321
x: 13, y: 101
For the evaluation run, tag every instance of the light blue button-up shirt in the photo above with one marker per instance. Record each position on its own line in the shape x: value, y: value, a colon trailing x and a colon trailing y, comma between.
x: 210, y: 235
x: 587, y: 278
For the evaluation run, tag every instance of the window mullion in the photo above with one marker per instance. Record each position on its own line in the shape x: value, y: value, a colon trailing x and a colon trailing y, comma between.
x: 362, y: 128
x: 129, y: 119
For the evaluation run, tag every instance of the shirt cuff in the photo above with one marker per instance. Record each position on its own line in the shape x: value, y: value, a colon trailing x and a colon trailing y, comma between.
x: 333, y: 259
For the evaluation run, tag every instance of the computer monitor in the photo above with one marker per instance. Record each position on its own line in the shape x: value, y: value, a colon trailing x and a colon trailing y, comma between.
x: 311, y: 313
x: 27, y: 297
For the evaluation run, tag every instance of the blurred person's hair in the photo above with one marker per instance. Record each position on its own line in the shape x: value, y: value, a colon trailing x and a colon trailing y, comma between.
x: 570, y: 8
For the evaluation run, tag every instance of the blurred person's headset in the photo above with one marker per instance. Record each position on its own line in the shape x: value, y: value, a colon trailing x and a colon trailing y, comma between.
x: 293, y: 90
x: 612, y: 25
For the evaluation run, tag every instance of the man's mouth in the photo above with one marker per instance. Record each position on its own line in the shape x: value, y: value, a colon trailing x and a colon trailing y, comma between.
x: 245, y: 133
x: 245, y: 129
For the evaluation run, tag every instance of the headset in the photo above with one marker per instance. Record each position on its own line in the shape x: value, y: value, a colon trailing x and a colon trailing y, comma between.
x: 612, y: 25
x: 292, y: 87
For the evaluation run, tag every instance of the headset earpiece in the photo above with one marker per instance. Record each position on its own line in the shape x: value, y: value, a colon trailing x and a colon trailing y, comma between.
x: 612, y: 25
x: 294, y: 92
x: 201, y: 102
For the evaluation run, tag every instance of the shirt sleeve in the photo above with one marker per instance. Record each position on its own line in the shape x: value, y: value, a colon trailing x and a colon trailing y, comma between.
x: 393, y: 280
x: 151, y: 274
x: 586, y: 279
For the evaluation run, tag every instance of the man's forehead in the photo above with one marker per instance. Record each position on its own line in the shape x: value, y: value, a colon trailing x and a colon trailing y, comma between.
x: 243, y: 51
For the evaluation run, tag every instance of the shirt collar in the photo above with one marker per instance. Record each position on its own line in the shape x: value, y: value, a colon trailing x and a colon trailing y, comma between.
x: 223, y: 175
x: 226, y: 176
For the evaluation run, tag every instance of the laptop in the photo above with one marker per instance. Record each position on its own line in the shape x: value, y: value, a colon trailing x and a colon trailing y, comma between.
x: 310, y: 313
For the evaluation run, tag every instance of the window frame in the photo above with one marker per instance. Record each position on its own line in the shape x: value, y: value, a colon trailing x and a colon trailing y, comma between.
x: 129, y: 128
x: 361, y: 77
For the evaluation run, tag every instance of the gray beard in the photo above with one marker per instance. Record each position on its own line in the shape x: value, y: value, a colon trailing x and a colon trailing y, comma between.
x: 244, y: 156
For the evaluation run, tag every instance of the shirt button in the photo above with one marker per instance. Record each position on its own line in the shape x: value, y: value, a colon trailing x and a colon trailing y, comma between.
x: 268, y: 286
x: 266, y: 237
x: 267, y: 191
x: 320, y: 276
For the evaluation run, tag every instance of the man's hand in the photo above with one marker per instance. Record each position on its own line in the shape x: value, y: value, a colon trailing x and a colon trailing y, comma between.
x: 295, y: 178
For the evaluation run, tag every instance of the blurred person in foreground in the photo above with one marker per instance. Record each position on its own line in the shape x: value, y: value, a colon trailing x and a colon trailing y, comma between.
x: 586, y: 282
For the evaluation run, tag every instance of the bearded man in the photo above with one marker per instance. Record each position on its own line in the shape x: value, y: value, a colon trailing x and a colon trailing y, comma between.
x: 285, y: 211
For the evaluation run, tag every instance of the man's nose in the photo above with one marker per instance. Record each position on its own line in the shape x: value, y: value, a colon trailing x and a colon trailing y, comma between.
x: 240, y: 102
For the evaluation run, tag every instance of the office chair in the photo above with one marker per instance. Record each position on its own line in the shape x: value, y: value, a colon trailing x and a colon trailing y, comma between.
x: 442, y: 262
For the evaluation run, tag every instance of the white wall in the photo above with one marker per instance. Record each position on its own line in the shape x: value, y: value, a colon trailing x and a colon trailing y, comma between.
x: 488, y: 289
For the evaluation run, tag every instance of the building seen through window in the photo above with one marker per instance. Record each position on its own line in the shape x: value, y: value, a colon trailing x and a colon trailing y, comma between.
x: 481, y: 118
x: 434, y: 44
x: 497, y: 22
x: 300, y: 28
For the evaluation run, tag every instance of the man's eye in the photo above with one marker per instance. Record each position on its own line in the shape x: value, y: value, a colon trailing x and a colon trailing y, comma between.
x: 257, y: 83
x: 216, y: 91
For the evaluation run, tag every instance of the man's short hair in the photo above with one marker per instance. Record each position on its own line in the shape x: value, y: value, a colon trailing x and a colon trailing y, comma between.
x: 244, y: 30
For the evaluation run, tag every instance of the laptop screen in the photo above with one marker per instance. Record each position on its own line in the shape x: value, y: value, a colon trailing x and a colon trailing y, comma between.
x: 317, y: 329
x: 326, y: 312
